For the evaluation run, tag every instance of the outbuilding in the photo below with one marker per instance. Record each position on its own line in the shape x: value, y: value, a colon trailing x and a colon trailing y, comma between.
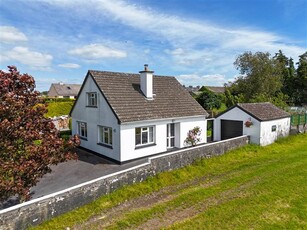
x: 263, y: 122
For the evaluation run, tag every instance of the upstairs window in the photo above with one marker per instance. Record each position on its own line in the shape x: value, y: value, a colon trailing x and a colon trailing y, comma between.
x: 144, y: 135
x: 105, y: 135
x: 82, y: 129
x: 91, y: 99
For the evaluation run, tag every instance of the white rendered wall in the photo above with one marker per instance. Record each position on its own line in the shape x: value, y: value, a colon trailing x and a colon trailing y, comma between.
x: 282, y: 129
x: 190, y: 124
x: 102, y: 115
x: 146, y: 78
x: 182, y: 126
x: 237, y: 114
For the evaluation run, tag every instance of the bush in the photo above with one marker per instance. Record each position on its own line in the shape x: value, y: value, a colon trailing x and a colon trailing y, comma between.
x: 65, y: 134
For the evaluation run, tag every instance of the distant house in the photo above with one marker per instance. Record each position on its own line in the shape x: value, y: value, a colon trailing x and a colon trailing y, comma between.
x: 216, y: 89
x: 125, y: 116
x: 193, y: 90
x: 61, y: 90
x: 263, y: 122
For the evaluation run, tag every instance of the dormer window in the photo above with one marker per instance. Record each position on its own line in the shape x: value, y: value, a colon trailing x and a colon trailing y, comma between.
x: 92, y: 99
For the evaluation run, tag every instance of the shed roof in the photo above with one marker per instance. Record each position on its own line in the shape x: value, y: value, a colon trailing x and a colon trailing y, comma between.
x: 122, y: 92
x: 263, y: 111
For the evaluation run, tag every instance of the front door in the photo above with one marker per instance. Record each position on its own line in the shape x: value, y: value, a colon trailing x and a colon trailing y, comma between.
x: 170, y: 135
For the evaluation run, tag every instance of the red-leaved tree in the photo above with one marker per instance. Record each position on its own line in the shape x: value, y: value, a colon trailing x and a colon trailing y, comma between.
x: 29, y: 142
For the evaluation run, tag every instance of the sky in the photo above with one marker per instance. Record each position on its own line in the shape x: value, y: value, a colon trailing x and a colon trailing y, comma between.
x: 197, y: 40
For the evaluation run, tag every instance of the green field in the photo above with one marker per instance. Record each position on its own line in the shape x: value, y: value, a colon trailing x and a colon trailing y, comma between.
x: 249, y: 188
x: 59, y: 108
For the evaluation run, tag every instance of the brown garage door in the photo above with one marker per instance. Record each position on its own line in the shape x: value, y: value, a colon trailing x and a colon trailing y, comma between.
x: 230, y: 129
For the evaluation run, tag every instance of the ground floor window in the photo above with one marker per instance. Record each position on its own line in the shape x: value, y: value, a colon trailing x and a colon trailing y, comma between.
x: 144, y: 135
x: 170, y: 135
x: 105, y: 135
x: 82, y: 129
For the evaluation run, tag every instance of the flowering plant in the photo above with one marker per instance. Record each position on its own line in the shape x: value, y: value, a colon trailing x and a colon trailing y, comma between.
x: 248, y: 123
x: 193, y: 136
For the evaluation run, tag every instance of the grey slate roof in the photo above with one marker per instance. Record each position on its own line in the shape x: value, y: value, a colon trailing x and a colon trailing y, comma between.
x: 263, y: 111
x: 122, y: 91
x: 58, y: 89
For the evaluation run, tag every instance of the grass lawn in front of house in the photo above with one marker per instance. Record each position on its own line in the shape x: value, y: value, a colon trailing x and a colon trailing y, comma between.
x: 249, y: 188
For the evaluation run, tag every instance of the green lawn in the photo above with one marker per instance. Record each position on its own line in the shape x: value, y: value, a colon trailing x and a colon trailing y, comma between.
x: 249, y: 188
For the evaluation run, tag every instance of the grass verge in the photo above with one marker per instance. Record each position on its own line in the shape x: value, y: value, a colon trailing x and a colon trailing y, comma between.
x: 252, y: 187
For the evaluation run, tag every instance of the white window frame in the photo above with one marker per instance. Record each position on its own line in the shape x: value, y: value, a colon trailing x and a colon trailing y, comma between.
x: 149, y: 131
x: 103, y: 132
x: 82, y: 129
x: 92, y: 99
x: 169, y: 137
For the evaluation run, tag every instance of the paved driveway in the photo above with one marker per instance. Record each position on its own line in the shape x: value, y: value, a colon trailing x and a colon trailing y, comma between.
x: 68, y: 174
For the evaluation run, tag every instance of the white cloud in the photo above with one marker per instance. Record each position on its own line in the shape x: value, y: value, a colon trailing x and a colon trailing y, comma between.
x: 97, y: 51
x: 186, y: 44
x: 25, y: 56
x: 188, y: 33
x: 10, y: 34
x: 196, y: 79
x: 69, y: 65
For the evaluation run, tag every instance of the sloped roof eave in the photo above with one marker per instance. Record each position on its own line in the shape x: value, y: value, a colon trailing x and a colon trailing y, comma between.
x: 251, y: 114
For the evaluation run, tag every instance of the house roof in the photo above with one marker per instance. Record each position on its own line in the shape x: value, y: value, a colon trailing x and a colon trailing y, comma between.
x: 216, y: 89
x: 263, y: 111
x: 122, y: 92
x: 192, y: 88
x: 61, y: 89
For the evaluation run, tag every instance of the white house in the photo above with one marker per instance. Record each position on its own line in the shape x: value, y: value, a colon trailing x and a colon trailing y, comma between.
x: 263, y: 122
x: 125, y: 116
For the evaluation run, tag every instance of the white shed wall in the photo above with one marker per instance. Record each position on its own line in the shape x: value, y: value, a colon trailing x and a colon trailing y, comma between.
x: 268, y: 136
x: 238, y: 115
x: 102, y: 115
x: 182, y: 126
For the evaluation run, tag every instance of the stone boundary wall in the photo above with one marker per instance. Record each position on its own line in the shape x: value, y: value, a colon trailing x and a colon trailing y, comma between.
x: 36, y: 211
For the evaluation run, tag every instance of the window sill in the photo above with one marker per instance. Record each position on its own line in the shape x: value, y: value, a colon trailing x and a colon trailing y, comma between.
x: 145, y: 146
x: 104, y: 145
x: 83, y: 138
x: 91, y: 106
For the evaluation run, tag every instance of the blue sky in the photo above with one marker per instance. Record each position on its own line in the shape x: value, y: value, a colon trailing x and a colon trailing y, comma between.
x: 197, y: 40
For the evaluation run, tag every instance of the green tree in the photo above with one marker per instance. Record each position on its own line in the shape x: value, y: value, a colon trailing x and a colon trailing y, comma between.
x: 30, y: 143
x: 288, y: 75
x: 300, y: 93
x: 209, y: 100
x: 260, y: 80
x: 232, y: 97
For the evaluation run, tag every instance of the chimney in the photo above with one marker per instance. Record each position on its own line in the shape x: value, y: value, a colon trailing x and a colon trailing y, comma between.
x: 147, y: 82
